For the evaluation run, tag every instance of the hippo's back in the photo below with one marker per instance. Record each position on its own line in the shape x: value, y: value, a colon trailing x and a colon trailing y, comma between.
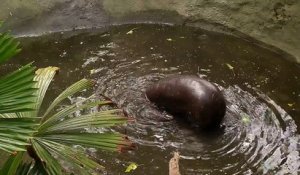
x: 191, y: 96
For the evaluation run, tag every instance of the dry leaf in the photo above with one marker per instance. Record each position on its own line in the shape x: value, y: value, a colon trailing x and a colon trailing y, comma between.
x: 229, y: 66
x: 174, y: 165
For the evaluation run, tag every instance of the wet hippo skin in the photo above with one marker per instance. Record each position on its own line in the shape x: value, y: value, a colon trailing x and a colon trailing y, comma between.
x: 191, y: 97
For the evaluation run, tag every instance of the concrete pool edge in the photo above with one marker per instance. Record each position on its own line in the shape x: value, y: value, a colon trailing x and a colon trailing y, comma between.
x: 273, y: 23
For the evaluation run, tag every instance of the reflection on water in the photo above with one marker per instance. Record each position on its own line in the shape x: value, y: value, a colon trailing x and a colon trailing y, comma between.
x: 262, y: 89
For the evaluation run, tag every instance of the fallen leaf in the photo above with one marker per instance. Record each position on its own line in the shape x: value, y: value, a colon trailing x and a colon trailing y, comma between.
x: 229, y: 66
x: 92, y: 71
x: 131, y: 167
x: 131, y: 31
x: 245, y: 118
x: 174, y: 164
x: 291, y: 104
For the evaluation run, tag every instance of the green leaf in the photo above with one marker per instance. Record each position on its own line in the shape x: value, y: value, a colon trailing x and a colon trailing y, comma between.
x: 76, y: 87
x: 8, y: 47
x: 75, y: 157
x: 17, y: 91
x: 50, y: 141
x: 70, y: 110
x: 105, y: 141
x: 9, y: 115
x: 51, y: 164
x: 131, y: 167
x: 31, y: 168
x: 99, y: 119
x: 43, y: 77
x: 15, y: 132
x: 12, y: 163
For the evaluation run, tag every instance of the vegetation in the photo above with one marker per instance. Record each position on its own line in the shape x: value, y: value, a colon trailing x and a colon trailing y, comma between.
x: 48, y: 137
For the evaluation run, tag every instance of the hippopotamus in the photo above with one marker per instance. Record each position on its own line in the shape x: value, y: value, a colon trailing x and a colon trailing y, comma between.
x: 190, y: 97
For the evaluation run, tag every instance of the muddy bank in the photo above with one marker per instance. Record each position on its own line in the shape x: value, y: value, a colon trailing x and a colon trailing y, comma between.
x: 273, y: 22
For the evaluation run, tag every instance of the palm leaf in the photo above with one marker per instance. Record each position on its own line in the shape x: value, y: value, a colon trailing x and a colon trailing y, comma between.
x: 31, y: 168
x: 12, y: 163
x: 8, y: 47
x: 15, y: 165
x: 50, y: 163
x: 17, y: 90
x: 70, y: 110
x: 74, y: 88
x: 105, y: 141
x: 28, y: 169
x: 9, y: 115
x: 99, y: 119
x: 15, y: 132
x: 43, y: 77
x: 74, y: 156
x: 58, y: 131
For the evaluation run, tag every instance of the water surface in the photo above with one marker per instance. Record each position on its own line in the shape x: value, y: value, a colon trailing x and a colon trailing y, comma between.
x: 262, y: 89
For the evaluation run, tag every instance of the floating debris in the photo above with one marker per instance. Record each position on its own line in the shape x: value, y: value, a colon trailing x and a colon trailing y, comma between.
x: 229, y: 66
x: 93, y: 71
x: 131, y: 167
x: 90, y: 60
x: 173, y: 68
x: 205, y: 70
x: 131, y: 31
x: 105, y: 35
x: 174, y: 164
x: 63, y: 54
x: 109, y: 45
x: 245, y: 118
x: 101, y: 53
x: 136, y: 61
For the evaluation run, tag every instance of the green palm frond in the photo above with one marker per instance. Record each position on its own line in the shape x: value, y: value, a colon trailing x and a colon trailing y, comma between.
x: 76, y: 157
x: 17, y: 90
x: 8, y: 47
x: 16, y: 96
x: 50, y: 163
x: 99, y: 119
x: 43, y: 78
x: 12, y: 163
x: 76, y: 87
x: 52, y: 135
x: 67, y: 111
x: 15, y: 133
x: 16, y: 165
x: 105, y: 141
x: 31, y: 168
x: 58, y: 131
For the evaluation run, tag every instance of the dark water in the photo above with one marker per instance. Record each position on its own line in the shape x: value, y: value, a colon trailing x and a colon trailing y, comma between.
x: 262, y: 89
